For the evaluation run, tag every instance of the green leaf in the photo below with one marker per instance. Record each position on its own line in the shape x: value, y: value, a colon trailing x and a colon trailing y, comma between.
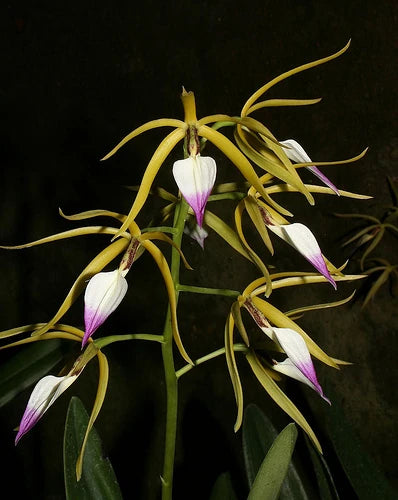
x: 258, y: 434
x: 365, y: 477
x: 273, y: 470
x: 326, y: 487
x: 98, y: 480
x: 27, y: 367
x: 223, y: 489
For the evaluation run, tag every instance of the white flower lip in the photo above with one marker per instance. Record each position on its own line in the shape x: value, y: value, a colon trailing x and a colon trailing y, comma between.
x: 298, y: 364
x: 301, y: 238
x: 46, y: 391
x: 195, y: 177
x: 104, y: 293
x: 295, y: 152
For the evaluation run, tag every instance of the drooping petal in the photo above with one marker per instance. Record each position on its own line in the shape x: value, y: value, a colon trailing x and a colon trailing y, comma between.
x: 46, y: 391
x: 295, y: 152
x: 297, y: 352
x: 301, y: 238
x: 287, y: 368
x: 104, y: 293
x: 195, y: 177
x: 199, y: 234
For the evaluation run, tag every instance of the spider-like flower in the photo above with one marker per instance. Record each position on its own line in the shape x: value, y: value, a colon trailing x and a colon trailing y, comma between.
x: 298, y: 364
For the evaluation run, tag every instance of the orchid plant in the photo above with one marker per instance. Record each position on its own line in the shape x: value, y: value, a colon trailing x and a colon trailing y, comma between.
x: 268, y: 166
x: 369, y: 237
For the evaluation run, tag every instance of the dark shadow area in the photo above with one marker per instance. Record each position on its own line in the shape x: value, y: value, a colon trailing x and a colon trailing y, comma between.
x: 78, y: 78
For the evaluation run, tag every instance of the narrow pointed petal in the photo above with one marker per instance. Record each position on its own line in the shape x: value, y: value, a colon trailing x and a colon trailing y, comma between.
x: 197, y: 233
x: 297, y: 351
x: 46, y: 391
x: 301, y: 238
x: 295, y: 152
x: 104, y: 293
x: 195, y: 178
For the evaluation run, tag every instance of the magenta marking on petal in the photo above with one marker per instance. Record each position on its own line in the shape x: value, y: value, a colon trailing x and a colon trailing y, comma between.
x: 92, y: 321
x: 321, y: 176
x: 308, y: 370
x: 198, y: 202
x: 319, y: 263
x: 29, y: 419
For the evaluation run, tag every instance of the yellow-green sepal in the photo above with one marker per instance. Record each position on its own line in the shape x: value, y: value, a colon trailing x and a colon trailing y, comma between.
x: 263, y: 376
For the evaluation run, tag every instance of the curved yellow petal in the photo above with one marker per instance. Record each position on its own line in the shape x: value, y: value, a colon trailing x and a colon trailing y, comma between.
x: 282, y: 102
x: 235, y: 155
x: 68, y: 234
x: 253, y: 98
x: 45, y: 336
x: 335, y: 162
x: 162, y: 122
x: 316, y: 307
x: 156, y: 235
x: 226, y: 233
x: 94, y: 267
x: 93, y: 213
x: 276, y: 317
x: 284, y: 188
x: 280, y: 398
x: 253, y: 256
x: 255, y: 215
x: 306, y: 279
x: 152, y: 169
x: 168, y: 281
x: 237, y: 317
x: 99, y: 399
x: 233, y: 369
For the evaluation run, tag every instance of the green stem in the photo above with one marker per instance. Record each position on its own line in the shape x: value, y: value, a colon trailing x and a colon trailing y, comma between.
x: 211, y: 355
x: 168, y: 361
x: 208, y: 291
x: 104, y: 341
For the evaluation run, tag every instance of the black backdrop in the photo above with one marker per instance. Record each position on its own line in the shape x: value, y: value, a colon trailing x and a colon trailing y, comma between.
x: 76, y: 77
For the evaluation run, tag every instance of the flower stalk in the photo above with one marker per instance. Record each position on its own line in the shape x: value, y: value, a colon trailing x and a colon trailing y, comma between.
x: 168, y: 360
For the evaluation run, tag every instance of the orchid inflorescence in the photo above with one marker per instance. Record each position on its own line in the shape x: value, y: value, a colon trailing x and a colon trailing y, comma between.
x: 269, y: 166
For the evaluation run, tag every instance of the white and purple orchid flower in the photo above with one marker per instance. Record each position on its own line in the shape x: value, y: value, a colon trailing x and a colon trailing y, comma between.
x: 301, y: 238
x: 195, y: 177
x: 295, y: 152
x: 104, y: 293
x: 298, y: 364
x: 46, y: 391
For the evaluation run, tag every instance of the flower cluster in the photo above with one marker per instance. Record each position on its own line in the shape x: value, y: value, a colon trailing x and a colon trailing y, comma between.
x: 268, y: 166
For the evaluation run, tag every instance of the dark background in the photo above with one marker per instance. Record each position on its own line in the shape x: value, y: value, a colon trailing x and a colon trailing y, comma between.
x: 76, y: 77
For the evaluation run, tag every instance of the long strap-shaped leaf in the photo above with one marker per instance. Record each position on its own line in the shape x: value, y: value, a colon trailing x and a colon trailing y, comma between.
x: 274, y: 468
